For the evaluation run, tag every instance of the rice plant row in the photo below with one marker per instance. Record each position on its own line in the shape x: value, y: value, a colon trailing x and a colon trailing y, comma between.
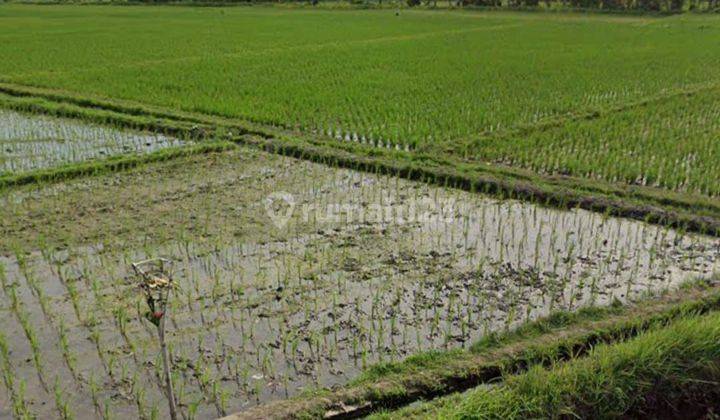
x: 672, y: 144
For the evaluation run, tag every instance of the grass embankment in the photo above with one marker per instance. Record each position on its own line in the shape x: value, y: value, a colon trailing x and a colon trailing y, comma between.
x: 561, y: 337
x: 669, y: 372
x: 686, y: 211
x: 111, y: 164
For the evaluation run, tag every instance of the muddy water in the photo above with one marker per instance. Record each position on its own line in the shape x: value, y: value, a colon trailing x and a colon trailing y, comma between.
x: 34, y: 142
x: 363, y: 269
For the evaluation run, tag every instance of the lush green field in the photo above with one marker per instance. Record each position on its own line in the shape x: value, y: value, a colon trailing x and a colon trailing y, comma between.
x: 496, y: 87
x: 185, y: 132
x: 660, y: 373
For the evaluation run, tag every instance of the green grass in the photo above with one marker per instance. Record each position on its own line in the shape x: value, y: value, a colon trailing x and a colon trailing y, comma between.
x: 545, y: 342
x: 111, y: 164
x: 436, y: 359
x: 488, y: 87
x: 675, y: 367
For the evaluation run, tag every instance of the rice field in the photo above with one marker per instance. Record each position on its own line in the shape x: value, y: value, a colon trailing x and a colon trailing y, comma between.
x: 30, y: 142
x: 290, y: 275
x: 366, y: 269
x: 488, y: 80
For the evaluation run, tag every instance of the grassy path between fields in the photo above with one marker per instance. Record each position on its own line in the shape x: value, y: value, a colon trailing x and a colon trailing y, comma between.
x: 562, y: 337
x: 669, y: 372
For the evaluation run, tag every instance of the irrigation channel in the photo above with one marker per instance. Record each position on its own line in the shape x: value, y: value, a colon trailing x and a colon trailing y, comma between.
x: 336, y: 270
x: 35, y: 142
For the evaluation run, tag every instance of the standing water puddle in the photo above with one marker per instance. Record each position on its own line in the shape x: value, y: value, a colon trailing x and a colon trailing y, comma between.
x: 361, y: 269
x: 29, y: 142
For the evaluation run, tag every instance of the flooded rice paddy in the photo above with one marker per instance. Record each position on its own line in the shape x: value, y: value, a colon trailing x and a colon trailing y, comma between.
x: 335, y: 270
x: 35, y: 142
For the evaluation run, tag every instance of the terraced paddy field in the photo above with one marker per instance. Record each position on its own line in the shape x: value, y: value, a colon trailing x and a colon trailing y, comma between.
x: 361, y: 209
x: 263, y: 313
